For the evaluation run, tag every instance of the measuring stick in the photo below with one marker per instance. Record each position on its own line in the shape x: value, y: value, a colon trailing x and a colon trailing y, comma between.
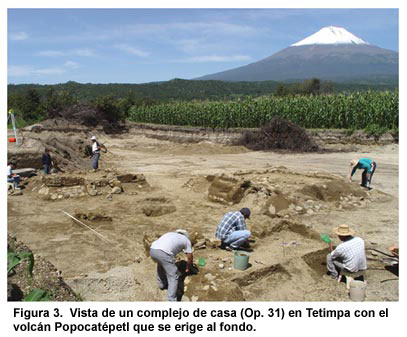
x: 106, y: 239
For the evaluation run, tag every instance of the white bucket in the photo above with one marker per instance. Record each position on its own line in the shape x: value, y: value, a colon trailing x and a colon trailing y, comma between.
x: 357, y: 291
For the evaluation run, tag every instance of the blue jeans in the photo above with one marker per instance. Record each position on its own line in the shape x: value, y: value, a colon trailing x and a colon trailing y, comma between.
x: 47, y: 169
x: 237, y: 238
x: 95, y: 160
x: 367, y: 176
x: 15, y: 180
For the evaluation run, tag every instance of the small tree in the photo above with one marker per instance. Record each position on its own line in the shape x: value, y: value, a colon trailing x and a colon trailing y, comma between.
x: 108, y: 108
x: 282, y: 90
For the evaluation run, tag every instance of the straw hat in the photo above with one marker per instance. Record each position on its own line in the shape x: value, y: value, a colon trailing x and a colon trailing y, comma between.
x: 354, y: 162
x: 343, y: 230
x: 183, y: 232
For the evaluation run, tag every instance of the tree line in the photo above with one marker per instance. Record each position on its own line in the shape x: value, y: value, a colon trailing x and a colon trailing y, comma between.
x: 33, y: 102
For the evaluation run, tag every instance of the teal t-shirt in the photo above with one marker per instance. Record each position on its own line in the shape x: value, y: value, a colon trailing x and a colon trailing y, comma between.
x: 363, y: 164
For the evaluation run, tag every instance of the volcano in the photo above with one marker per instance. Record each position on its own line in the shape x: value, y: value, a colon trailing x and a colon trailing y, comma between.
x: 332, y: 53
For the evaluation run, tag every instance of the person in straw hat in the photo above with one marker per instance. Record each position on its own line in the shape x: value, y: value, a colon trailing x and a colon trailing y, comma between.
x: 349, y: 255
x: 163, y: 252
x: 368, y: 166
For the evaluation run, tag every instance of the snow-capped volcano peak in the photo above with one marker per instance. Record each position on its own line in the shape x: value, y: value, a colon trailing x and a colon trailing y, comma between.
x: 331, y: 35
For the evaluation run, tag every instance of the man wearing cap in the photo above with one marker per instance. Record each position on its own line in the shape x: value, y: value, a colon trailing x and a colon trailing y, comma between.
x: 163, y: 252
x: 232, y: 230
x: 349, y: 255
x: 367, y: 165
x: 95, y: 153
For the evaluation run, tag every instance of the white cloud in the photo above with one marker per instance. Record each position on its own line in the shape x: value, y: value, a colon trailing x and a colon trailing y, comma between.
x: 164, y: 31
x: 214, y: 58
x: 85, y: 52
x: 25, y: 71
x: 82, y: 52
x: 18, y: 36
x: 132, y: 50
x: 71, y: 65
x: 49, y: 71
x: 190, y: 27
x: 19, y: 71
x: 50, y: 53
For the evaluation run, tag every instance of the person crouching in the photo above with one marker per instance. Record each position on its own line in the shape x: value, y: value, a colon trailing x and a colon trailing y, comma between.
x: 349, y: 255
x: 232, y: 230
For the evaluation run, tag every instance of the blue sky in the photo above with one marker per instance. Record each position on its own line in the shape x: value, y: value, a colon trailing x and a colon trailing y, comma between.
x: 51, y: 46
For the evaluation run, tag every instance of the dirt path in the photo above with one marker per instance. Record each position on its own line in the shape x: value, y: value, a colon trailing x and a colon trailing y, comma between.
x: 121, y: 271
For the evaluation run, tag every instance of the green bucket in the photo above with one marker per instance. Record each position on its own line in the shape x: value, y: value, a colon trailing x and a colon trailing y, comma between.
x: 241, y: 261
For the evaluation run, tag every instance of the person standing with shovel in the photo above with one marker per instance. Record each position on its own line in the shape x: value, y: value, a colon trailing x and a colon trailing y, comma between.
x: 96, y: 147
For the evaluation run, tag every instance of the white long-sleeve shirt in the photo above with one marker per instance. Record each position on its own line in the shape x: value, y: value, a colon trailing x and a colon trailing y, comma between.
x: 352, y: 254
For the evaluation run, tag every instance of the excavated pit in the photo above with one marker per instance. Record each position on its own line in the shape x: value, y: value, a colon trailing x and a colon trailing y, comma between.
x: 317, y: 262
x: 272, y: 274
x: 290, y: 208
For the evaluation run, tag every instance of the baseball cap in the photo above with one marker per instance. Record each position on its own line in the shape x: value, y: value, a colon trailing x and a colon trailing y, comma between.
x: 246, y: 212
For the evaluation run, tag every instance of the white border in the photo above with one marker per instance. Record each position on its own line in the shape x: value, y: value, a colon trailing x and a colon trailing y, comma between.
x: 316, y: 327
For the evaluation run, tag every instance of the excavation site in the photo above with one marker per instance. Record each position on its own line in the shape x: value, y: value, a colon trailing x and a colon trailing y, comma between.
x: 95, y: 228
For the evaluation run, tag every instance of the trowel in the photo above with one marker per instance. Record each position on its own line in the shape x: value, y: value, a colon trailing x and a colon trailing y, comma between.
x: 326, y: 238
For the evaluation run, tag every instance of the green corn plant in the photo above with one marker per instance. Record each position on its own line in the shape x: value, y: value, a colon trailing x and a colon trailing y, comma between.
x: 354, y: 110
x: 37, y: 295
x: 14, y: 259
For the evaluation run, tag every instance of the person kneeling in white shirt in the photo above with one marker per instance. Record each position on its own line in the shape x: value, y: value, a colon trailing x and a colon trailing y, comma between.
x: 349, y: 255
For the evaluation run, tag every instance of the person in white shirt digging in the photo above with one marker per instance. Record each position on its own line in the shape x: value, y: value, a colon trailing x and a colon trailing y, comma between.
x: 163, y: 252
x: 349, y: 255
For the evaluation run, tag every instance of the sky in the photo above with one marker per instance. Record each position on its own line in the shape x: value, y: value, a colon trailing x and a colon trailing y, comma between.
x: 49, y: 46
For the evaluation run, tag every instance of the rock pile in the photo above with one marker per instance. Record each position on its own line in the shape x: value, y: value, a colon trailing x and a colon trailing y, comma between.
x: 64, y: 186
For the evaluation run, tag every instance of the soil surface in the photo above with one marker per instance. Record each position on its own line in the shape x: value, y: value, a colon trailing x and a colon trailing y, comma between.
x: 293, y: 197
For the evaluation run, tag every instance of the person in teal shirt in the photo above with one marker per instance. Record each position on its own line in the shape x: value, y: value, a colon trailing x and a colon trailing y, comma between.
x: 368, y: 166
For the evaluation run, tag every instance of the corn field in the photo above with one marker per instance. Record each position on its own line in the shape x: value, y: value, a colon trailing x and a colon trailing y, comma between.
x: 355, y: 110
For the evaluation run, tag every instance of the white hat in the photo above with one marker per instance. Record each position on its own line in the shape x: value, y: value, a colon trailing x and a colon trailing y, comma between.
x: 343, y: 230
x: 93, y: 138
x: 183, y: 232
x: 354, y: 162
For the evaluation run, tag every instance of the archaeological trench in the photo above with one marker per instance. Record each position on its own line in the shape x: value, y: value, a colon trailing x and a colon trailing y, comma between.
x: 157, y: 179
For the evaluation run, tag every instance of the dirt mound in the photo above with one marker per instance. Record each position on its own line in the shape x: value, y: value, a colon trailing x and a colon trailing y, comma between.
x: 158, y: 210
x: 277, y: 203
x: 81, y: 113
x: 298, y: 228
x: 89, y: 116
x: 279, y: 134
x: 316, y: 261
x: 333, y: 191
x: 66, y: 149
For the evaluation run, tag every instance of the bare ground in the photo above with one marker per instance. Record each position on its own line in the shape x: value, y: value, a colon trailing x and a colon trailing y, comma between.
x: 288, y: 259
